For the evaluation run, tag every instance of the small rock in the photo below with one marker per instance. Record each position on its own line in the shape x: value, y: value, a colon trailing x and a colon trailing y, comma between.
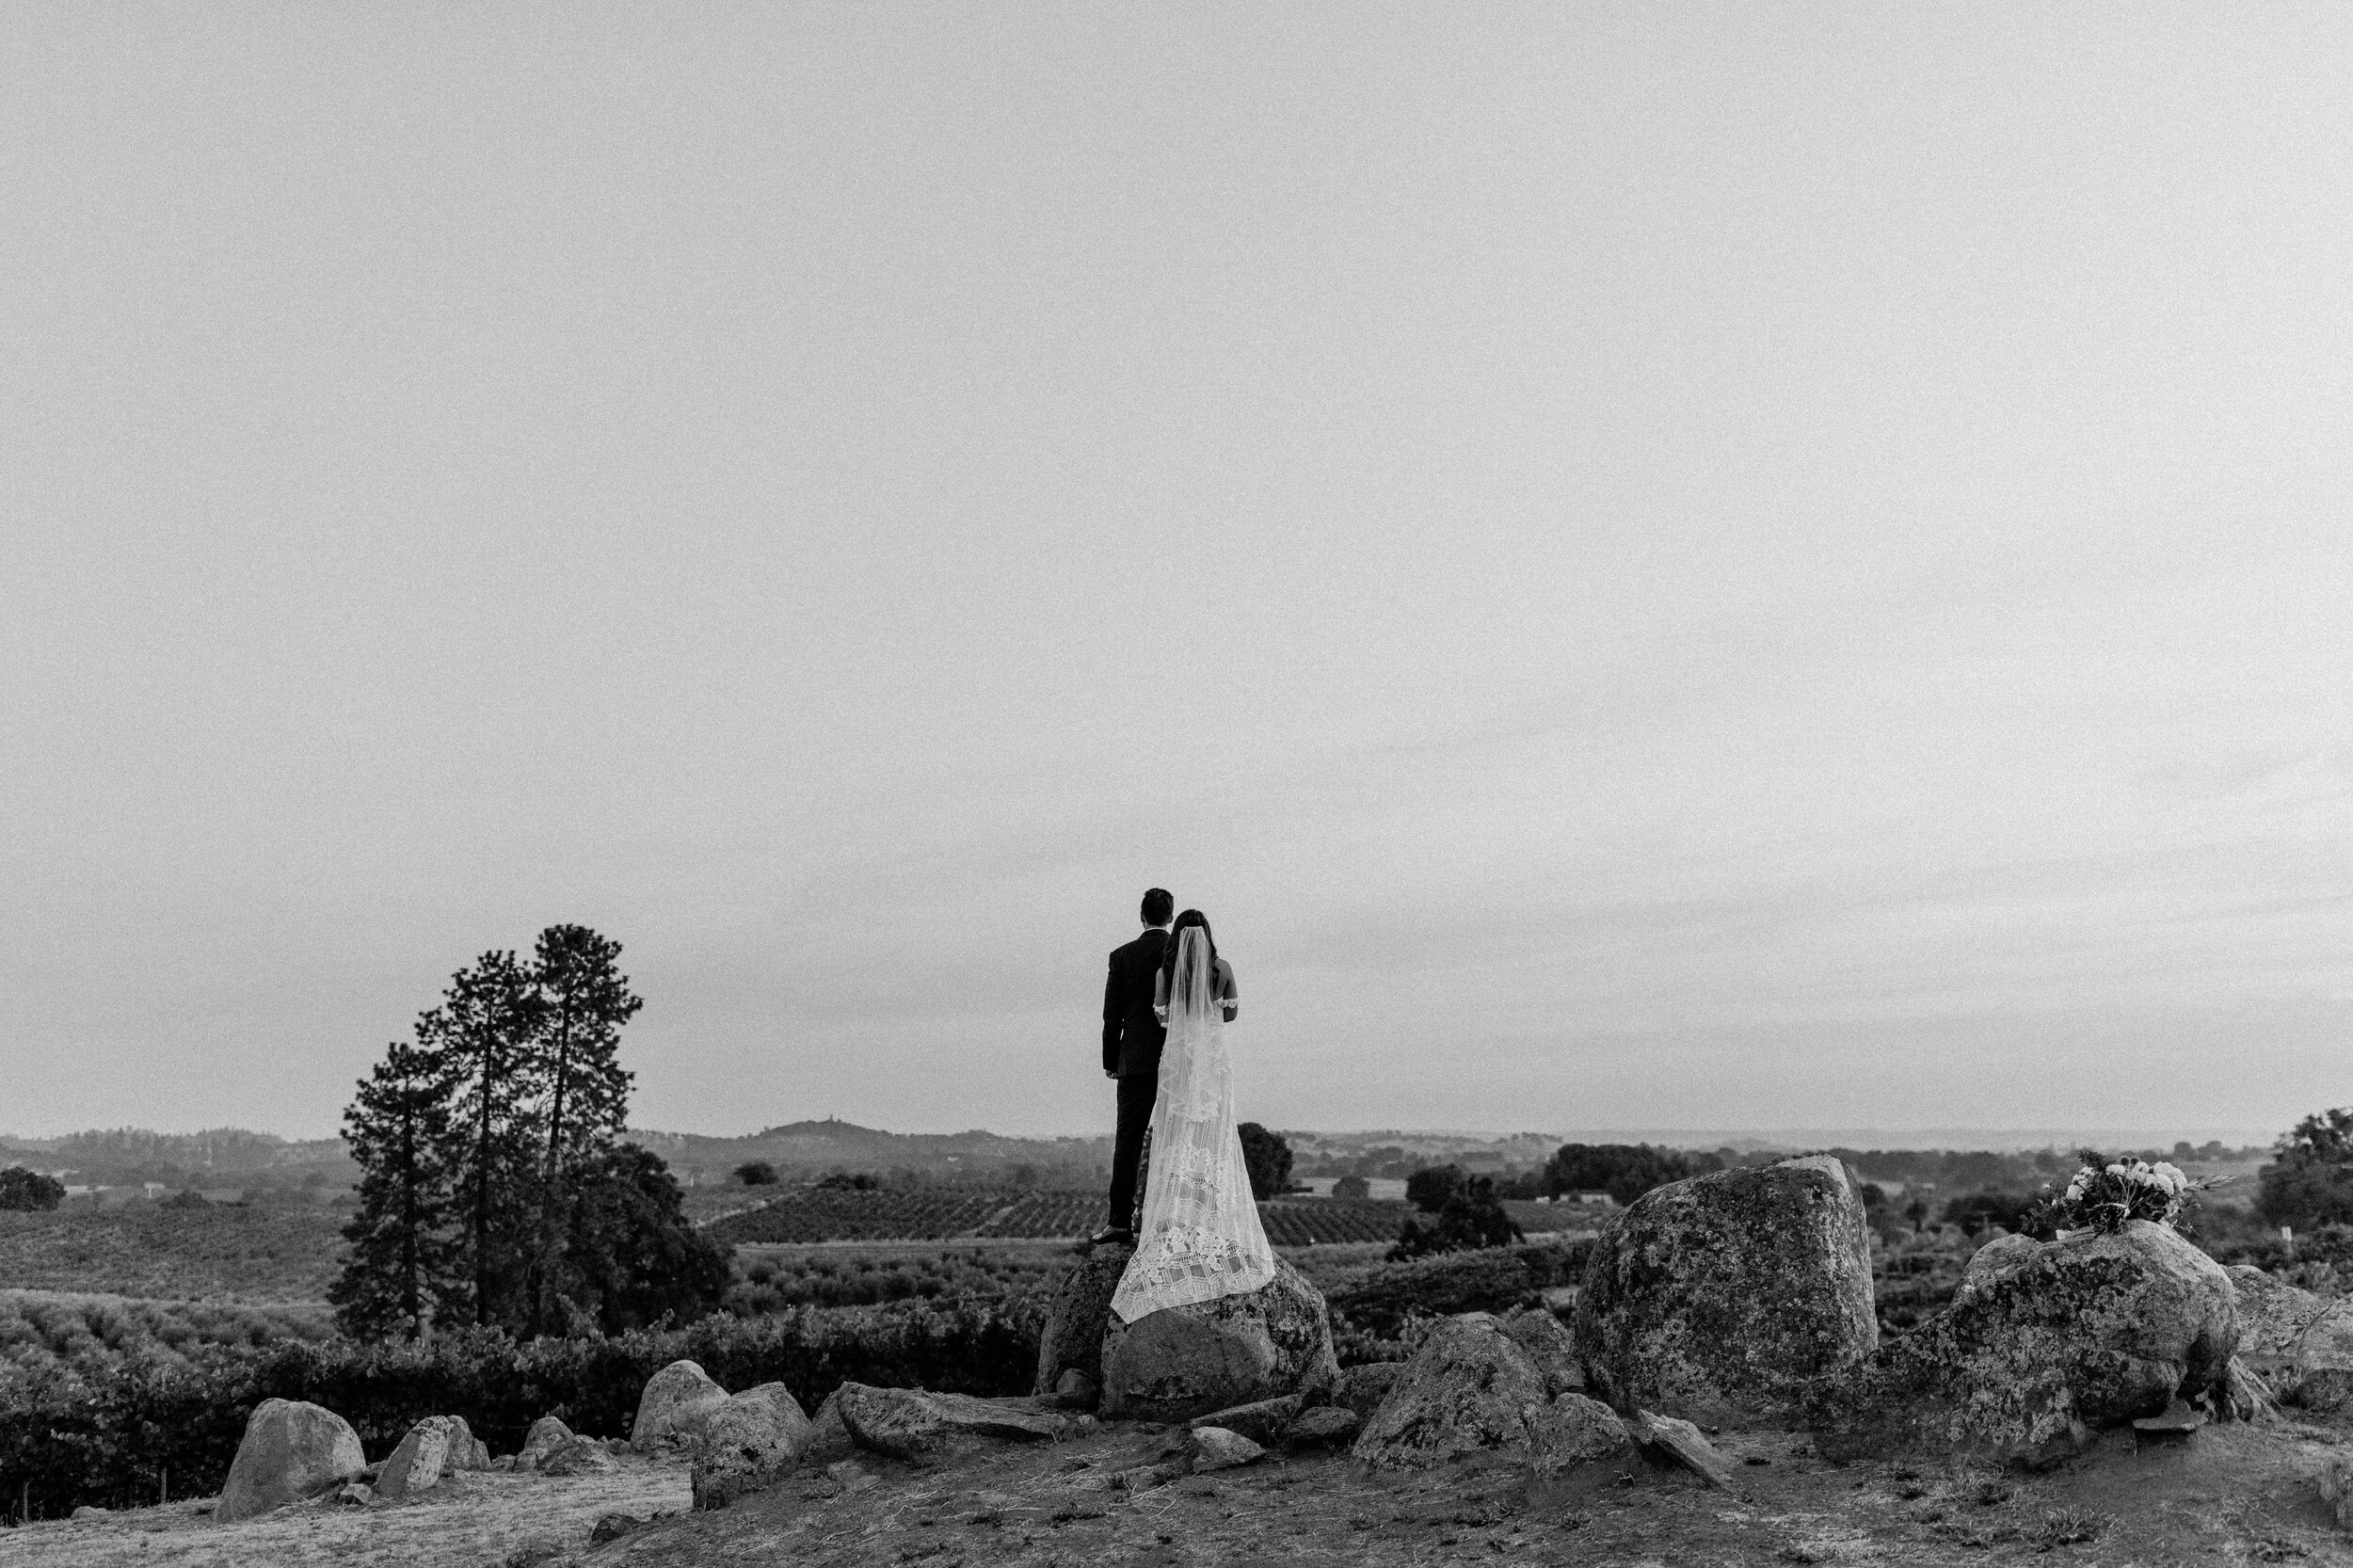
x: 1076, y: 1389
x: 546, y: 1434
x: 612, y: 1527
x: 2178, y: 1418
x: 828, y: 1435
x: 1549, y: 1345
x: 1144, y: 1478
x: 1574, y: 1430
x: 582, y: 1456
x: 504, y: 1462
x: 1089, y: 1482
x: 673, y: 1406
x: 2336, y: 1490
x: 1216, y: 1448
x: 1261, y: 1421
x: 1681, y: 1442
x: 851, y: 1475
x: 90, y: 1511
x: 353, y: 1494
x: 1327, y: 1426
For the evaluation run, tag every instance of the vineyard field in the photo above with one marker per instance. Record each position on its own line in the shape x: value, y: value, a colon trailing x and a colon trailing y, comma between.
x: 84, y: 1332
x: 825, y: 1215
x: 264, y: 1253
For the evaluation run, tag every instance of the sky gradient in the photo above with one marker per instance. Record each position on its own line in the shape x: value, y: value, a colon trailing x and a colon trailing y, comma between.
x: 1648, y: 566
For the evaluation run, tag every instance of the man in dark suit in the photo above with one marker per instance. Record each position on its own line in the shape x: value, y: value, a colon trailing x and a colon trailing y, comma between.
x: 1131, y: 1053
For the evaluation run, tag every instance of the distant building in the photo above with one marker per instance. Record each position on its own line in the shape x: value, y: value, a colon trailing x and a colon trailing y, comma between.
x: 1587, y: 1200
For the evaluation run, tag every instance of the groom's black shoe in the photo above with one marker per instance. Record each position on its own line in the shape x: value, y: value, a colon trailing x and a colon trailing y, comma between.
x: 1113, y: 1236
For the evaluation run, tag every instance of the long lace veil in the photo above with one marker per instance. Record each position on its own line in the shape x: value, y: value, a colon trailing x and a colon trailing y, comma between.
x: 1201, y: 1237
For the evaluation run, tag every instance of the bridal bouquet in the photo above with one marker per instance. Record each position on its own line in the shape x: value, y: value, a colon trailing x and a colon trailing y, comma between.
x: 2104, y: 1193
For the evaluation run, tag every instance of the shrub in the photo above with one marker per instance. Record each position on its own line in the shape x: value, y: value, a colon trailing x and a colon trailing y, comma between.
x: 23, y: 1188
x: 110, y: 1438
x: 756, y: 1173
x: 1471, y: 1218
x: 1490, y: 1279
x: 1352, y: 1187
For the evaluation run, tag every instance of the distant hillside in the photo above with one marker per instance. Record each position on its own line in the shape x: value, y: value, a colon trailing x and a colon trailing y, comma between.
x: 219, y: 1156
x: 827, y: 1145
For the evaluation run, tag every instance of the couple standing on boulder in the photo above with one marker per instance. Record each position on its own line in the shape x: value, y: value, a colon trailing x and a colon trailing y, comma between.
x: 1166, y: 1006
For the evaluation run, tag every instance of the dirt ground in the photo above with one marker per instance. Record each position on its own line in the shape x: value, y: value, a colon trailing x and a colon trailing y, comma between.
x: 2231, y: 1495
x: 476, y: 1520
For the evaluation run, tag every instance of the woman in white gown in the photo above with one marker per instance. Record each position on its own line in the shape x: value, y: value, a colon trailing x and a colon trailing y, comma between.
x: 1201, y: 1238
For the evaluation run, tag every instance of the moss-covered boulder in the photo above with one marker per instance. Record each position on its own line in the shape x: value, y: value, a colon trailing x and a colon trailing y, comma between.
x: 1077, y: 1318
x: 1473, y: 1389
x: 2045, y: 1344
x: 1185, y: 1361
x: 1729, y: 1296
x: 2300, y: 1344
x: 746, y: 1444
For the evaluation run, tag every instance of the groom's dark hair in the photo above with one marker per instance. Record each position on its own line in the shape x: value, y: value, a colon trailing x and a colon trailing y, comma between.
x: 1159, y: 906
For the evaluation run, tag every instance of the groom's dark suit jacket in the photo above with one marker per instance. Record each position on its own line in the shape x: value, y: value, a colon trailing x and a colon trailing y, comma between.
x: 1131, y: 1035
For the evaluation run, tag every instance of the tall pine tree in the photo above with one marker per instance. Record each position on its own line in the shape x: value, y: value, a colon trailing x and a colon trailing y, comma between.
x: 486, y: 1029
x: 584, y: 1000
x: 402, y: 1271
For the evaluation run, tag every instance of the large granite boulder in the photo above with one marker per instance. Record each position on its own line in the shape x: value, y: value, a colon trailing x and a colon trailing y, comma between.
x: 1078, y: 1318
x: 746, y: 1444
x: 291, y: 1451
x: 914, y: 1423
x: 1727, y: 1297
x: 672, y: 1408
x: 1471, y: 1390
x: 1185, y: 1361
x: 2046, y: 1343
x: 2300, y: 1344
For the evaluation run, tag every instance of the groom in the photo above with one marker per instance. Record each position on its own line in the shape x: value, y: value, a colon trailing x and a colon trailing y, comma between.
x: 1131, y: 1053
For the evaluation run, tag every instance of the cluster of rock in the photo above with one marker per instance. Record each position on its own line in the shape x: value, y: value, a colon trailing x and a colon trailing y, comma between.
x: 1730, y: 1298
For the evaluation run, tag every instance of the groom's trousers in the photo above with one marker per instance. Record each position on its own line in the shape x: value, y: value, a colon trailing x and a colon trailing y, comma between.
x: 1137, y: 1091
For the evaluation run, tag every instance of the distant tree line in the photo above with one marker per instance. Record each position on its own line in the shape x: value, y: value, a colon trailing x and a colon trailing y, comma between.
x: 495, y: 1188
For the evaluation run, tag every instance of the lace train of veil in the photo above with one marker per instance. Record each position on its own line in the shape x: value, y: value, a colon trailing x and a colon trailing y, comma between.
x: 1201, y: 1238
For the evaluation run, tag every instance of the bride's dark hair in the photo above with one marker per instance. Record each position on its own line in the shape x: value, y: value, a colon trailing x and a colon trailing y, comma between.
x: 1177, y: 939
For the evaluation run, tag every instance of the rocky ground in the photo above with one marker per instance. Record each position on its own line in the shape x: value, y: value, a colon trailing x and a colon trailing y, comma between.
x: 2232, y: 1494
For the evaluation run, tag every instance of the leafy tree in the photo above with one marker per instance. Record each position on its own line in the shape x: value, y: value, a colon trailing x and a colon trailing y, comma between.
x: 1433, y: 1187
x: 632, y: 1260
x: 756, y: 1173
x: 402, y: 1271
x: 1268, y: 1158
x: 1471, y: 1217
x: 1352, y: 1187
x: 2309, y: 1180
x: 1624, y: 1171
x: 29, y: 1190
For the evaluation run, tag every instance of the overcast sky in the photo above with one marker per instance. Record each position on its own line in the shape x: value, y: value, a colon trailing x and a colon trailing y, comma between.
x: 1648, y: 566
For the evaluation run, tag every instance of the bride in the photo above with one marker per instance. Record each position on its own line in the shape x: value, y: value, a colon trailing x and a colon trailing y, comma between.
x: 1201, y: 1238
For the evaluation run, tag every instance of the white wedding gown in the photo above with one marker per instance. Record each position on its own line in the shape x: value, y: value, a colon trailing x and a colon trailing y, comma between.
x: 1201, y: 1238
